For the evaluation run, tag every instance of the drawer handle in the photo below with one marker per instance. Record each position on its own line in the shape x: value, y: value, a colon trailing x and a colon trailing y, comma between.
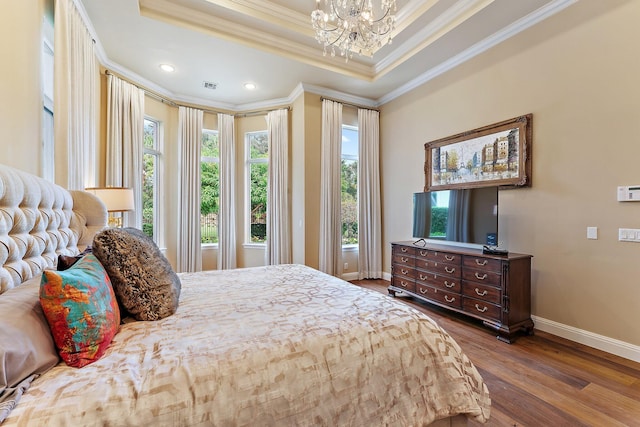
x: 403, y: 271
x: 484, y: 276
x: 423, y: 253
x: 423, y: 277
x: 449, y: 270
x: 483, y: 293
x: 403, y: 283
x: 449, y: 258
x: 403, y: 259
x: 484, y: 262
x: 424, y: 290
x: 449, y: 285
x: 481, y: 310
x: 404, y: 249
x: 446, y: 298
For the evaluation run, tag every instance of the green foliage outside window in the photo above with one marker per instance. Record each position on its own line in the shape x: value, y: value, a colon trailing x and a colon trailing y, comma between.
x: 259, y: 149
x: 349, y: 201
x: 148, y: 177
x: 209, y: 187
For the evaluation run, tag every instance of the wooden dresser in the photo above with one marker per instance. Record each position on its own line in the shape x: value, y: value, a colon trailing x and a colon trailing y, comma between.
x: 495, y: 289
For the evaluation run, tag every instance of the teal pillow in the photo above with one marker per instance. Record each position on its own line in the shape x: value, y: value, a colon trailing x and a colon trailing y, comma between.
x: 81, y: 310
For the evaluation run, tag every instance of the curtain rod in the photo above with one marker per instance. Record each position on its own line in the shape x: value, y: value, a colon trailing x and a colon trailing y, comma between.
x: 322, y: 98
x: 162, y: 99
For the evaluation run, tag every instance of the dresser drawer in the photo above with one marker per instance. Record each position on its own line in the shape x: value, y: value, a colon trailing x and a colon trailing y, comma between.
x: 482, y: 276
x: 404, y: 283
x: 481, y: 308
x: 445, y: 257
x: 449, y: 298
x: 484, y: 264
x: 404, y: 270
x: 482, y: 292
x: 404, y: 250
x: 447, y: 283
x: 401, y: 259
x: 438, y: 267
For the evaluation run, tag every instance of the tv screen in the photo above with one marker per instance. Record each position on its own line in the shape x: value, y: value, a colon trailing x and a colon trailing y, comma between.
x: 464, y: 216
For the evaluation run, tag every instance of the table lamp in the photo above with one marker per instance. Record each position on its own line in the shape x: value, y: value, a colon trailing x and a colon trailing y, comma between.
x: 116, y: 199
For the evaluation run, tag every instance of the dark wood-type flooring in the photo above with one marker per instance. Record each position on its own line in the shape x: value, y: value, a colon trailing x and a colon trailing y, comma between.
x: 542, y: 380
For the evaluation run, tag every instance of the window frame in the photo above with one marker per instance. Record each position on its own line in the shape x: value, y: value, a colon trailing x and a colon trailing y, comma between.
x: 247, y: 188
x: 349, y: 246
x: 158, y: 181
x: 209, y: 159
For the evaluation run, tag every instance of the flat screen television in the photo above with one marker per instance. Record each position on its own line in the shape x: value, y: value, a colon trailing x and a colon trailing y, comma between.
x: 461, y: 216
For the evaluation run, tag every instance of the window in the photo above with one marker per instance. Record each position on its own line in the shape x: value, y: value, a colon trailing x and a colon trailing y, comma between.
x: 47, y: 97
x: 209, y: 186
x: 257, y: 155
x: 349, y: 180
x: 150, y: 179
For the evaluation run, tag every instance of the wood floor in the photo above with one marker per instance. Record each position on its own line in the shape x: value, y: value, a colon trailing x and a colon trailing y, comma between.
x: 543, y: 380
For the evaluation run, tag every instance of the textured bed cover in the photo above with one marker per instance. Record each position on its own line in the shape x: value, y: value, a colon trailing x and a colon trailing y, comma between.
x: 277, y: 345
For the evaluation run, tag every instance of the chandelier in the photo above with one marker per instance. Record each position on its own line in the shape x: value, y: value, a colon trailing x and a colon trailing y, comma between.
x: 353, y: 26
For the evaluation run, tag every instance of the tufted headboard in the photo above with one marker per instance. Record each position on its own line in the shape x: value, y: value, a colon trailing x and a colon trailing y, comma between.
x: 40, y: 220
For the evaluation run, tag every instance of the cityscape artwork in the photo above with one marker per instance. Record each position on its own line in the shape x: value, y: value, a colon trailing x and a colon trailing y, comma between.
x: 493, y: 155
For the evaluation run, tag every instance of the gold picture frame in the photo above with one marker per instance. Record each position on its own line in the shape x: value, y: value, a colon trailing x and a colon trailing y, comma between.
x: 493, y: 155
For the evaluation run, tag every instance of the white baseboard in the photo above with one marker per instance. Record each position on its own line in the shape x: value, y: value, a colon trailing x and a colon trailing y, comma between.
x: 600, y: 342
x: 610, y: 345
x: 386, y: 276
x: 350, y: 276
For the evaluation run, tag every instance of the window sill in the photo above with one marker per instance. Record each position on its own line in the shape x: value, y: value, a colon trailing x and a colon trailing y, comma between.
x: 254, y: 245
x: 349, y: 248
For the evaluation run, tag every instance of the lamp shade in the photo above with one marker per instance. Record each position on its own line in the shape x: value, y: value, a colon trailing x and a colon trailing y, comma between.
x: 116, y: 199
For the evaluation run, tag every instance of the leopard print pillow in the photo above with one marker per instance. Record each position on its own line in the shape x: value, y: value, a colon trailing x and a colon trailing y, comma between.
x: 144, y: 282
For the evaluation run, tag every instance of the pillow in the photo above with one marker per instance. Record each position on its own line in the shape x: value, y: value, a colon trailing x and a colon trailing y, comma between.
x: 143, y: 280
x: 26, y: 346
x: 81, y: 309
x: 66, y: 261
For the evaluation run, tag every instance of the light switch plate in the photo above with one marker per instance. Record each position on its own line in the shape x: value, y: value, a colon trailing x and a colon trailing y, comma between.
x: 592, y: 233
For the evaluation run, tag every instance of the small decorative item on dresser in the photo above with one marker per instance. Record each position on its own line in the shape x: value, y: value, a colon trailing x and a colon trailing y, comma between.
x: 493, y: 288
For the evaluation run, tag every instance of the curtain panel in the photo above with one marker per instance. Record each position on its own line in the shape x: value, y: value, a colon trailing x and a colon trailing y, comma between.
x: 227, y: 213
x: 330, y: 250
x: 189, y: 149
x: 278, y: 210
x: 125, y: 142
x: 76, y: 78
x: 369, y: 205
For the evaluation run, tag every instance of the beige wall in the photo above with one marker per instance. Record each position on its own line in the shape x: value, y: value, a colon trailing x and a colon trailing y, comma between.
x: 20, y: 84
x: 582, y: 87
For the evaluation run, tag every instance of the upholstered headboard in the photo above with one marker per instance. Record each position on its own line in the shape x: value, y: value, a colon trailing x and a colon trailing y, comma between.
x: 40, y: 220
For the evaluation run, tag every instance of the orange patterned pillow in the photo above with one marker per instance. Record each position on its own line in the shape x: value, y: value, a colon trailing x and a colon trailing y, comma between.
x: 81, y: 310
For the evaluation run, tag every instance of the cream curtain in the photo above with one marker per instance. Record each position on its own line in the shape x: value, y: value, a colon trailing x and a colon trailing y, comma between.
x: 227, y: 213
x: 369, y: 210
x: 125, y: 142
x: 189, y: 146
x: 75, y: 93
x: 330, y: 255
x: 278, y: 213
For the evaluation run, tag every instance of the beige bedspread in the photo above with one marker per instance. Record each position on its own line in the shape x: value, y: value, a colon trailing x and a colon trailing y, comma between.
x: 279, y: 345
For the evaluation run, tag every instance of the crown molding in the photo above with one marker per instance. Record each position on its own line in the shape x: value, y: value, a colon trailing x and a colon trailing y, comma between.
x: 509, y: 31
x: 533, y: 18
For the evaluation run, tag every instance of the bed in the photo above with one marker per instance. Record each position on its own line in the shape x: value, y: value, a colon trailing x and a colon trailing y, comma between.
x: 271, y: 346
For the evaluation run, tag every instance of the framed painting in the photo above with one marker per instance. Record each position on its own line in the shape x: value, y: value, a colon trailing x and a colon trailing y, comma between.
x: 494, y: 155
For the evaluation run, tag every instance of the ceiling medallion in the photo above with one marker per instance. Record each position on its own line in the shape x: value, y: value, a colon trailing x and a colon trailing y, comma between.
x: 353, y: 26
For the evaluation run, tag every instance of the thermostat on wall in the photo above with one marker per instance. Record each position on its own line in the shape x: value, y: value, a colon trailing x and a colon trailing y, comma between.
x: 629, y: 194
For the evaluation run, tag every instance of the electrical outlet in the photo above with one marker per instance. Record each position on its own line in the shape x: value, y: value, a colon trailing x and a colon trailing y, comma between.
x: 346, y: 265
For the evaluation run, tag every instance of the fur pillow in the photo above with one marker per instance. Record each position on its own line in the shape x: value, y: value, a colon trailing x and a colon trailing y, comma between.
x: 144, y: 282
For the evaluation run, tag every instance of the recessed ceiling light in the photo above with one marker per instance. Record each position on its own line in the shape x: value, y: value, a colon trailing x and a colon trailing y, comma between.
x: 168, y: 68
x: 250, y: 86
